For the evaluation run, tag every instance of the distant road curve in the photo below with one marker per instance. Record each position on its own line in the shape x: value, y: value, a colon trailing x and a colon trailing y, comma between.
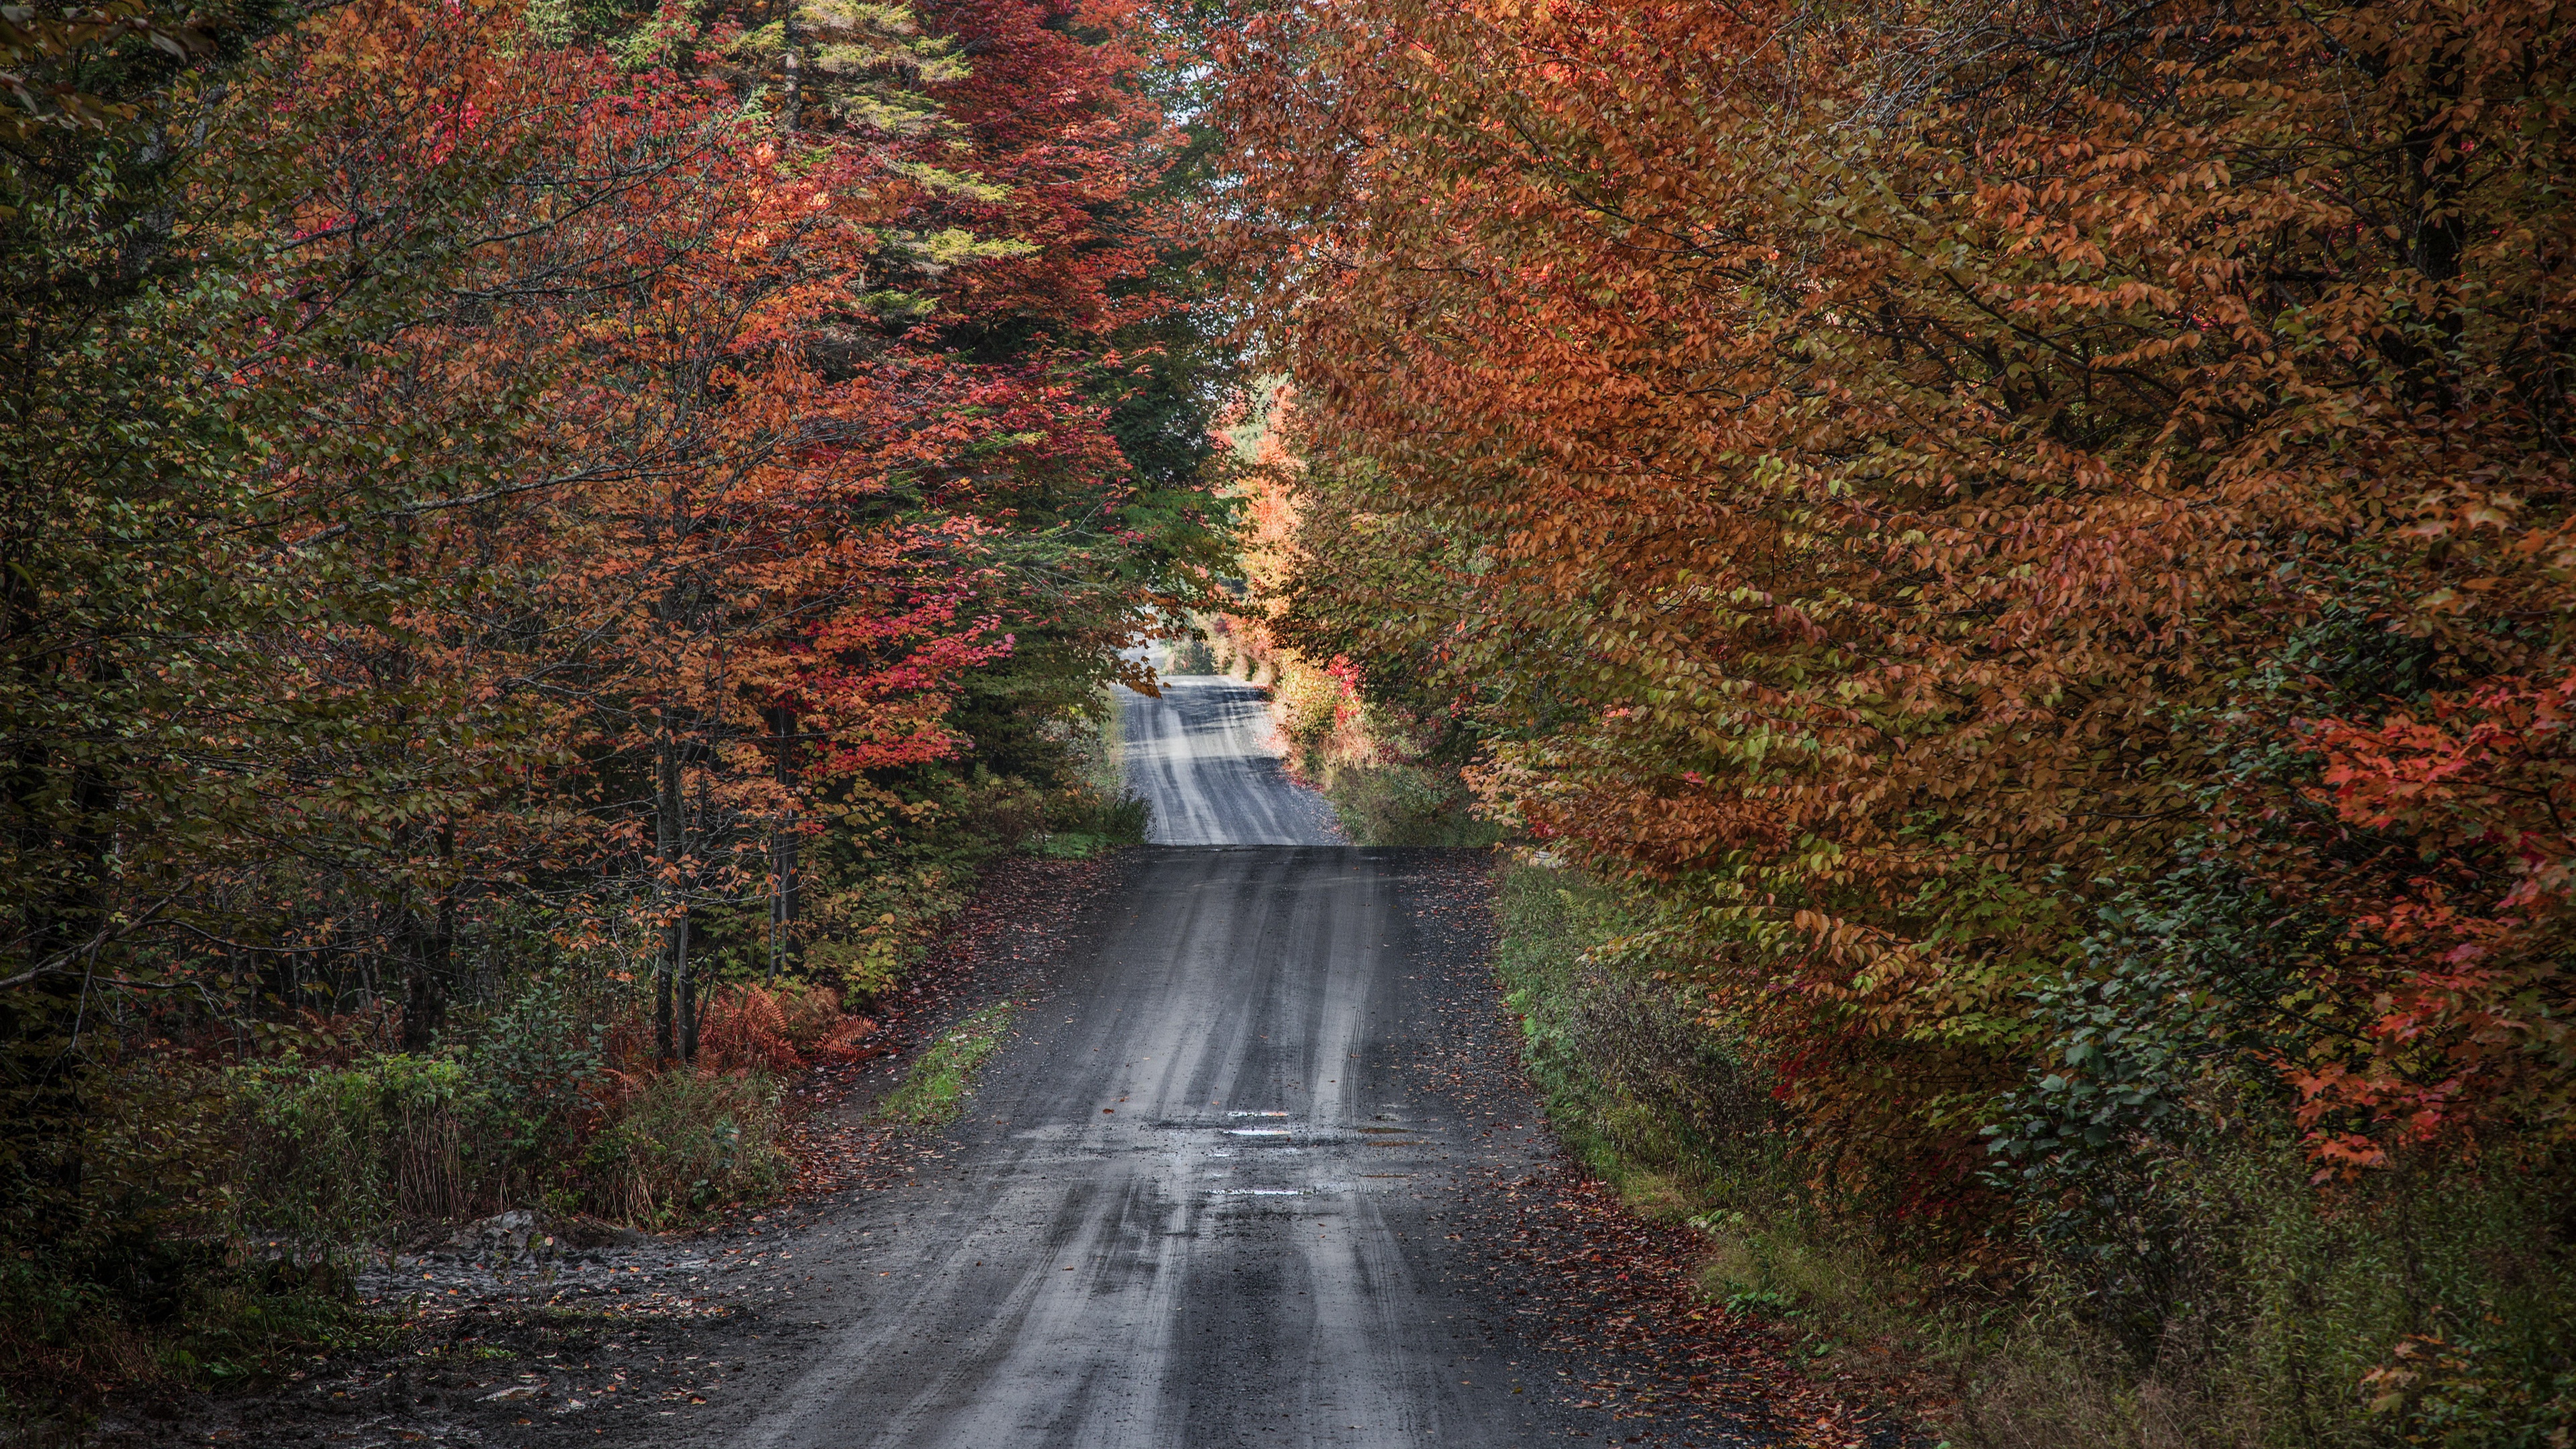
x: 1202, y: 755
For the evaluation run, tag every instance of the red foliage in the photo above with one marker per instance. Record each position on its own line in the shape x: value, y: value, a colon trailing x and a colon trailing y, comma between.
x: 2461, y: 927
x: 1870, y: 455
x: 755, y: 1027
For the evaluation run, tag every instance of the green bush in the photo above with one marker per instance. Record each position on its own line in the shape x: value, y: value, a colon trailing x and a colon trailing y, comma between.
x: 1086, y: 826
x: 535, y: 1060
x: 151, y: 1308
x: 1190, y: 656
x: 883, y: 885
x: 524, y: 1112
x: 1405, y: 804
x: 344, y: 1154
x: 148, y: 1276
x: 1635, y: 1085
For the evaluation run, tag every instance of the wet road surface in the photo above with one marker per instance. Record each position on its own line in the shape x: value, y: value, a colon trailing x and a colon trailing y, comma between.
x: 1201, y: 755
x: 1256, y: 1167
x: 1205, y: 1195
x: 1202, y: 1202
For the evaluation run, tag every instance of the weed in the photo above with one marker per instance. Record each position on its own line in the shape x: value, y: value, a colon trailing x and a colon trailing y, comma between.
x: 934, y: 1092
x: 1397, y: 803
x: 684, y: 1143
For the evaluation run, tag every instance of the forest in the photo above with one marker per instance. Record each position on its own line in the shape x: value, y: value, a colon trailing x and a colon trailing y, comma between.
x: 2009, y: 567
x: 1997, y: 581
x: 542, y: 547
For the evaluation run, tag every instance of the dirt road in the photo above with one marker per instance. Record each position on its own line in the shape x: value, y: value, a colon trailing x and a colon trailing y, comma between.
x: 1201, y: 755
x: 1205, y: 1197
x: 1200, y: 1202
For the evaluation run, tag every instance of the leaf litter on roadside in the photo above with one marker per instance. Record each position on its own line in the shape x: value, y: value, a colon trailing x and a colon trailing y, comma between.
x: 1600, y: 1285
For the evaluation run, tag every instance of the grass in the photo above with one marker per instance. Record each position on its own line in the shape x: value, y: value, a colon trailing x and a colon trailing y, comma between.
x: 934, y: 1092
x: 685, y: 1145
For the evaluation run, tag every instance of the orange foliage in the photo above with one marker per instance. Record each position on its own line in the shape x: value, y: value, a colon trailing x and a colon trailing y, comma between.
x: 1898, y: 445
x: 755, y: 1027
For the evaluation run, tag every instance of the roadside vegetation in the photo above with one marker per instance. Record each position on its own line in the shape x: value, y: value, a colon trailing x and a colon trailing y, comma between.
x: 1392, y: 779
x: 2007, y: 574
x: 2011, y: 569
x: 546, y: 547
x: 934, y: 1091
x: 1387, y: 756
x: 2276, y: 1304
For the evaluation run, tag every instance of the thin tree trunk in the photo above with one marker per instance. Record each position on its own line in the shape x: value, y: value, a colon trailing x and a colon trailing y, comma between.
x: 688, y: 990
x: 429, y: 956
x: 783, y: 854
x: 668, y: 822
x: 791, y: 90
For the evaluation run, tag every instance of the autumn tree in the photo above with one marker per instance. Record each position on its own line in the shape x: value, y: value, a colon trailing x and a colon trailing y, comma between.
x: 1938, y: 473
x: 480, y: 476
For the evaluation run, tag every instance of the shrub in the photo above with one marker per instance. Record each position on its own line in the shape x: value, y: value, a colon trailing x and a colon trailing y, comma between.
x: 1086, y: 824
x: 685, y: 1141
x: 530, y: 1111
x: 341, y: 1154
x: 777, y: 1028
x: 535, y: 1061
x: 2210, y: 1292
x: 1405, y: 804
x: 1634, y: 1083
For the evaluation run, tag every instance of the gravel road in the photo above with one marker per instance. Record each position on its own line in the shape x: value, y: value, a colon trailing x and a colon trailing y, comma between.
x: 1201, y: 754
x: 1202, y: 1200
x: 1212, y: 1193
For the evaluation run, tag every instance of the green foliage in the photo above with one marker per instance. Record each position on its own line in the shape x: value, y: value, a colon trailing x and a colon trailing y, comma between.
x: 903, y: 852
x: 1191, y: 656
x: 1097, y: 812
x: 2183, y: 981
x: 1633, y: 1082
x: 899, y: 861
x: 1406, y: 804
x: 1378, y: 585
x: 1106, y: 825
x: 2424, y: 1306
x: 539, y: 1056
x: 345, y: 1154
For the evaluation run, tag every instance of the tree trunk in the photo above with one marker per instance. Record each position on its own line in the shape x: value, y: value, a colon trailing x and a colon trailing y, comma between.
x: 791, y: 90
x: 783, y: 854
x: 424, y: 991
x: 688, y: 989
x: 432, y: 954
x: 669, y: 822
